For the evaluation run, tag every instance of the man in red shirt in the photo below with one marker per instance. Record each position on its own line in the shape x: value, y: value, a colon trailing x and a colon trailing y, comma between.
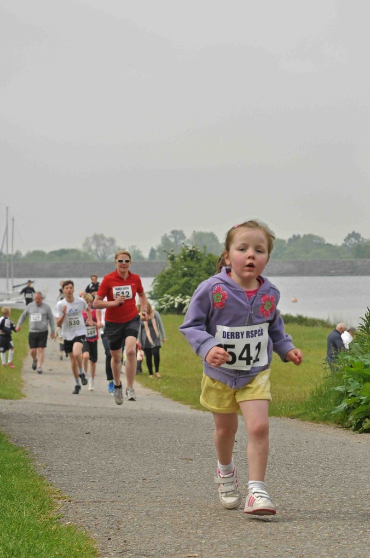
x: 117, y: 293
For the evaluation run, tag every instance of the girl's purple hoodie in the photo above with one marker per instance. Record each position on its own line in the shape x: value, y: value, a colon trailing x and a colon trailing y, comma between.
x: 220, y: 301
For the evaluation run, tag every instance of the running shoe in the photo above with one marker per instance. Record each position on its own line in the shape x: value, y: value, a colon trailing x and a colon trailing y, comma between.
x: 259, y: 503
x: 39, y: 371
x: 228, y: 489
x: 83, y: 379
x: 11, y: 365
x: 60, y: 358
x: 130, y: 394
x: 91, y: 385
x: 77, y: 389
x: 118, y: 395
x: 4, y: 364
x: 111, y: 387
x: 34, y: 365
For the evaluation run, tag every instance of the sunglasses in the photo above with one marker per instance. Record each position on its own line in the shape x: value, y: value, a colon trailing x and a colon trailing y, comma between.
x: 123, y: 261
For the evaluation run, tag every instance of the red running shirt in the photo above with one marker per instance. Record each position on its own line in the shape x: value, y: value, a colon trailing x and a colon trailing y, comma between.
x: 112, y: 286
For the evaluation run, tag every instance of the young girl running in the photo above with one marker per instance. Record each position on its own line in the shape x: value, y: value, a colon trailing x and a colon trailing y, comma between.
x: 233, y: 324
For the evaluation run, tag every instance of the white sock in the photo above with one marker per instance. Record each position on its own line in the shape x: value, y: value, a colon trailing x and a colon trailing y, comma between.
x: 10, y: 356
x: 3, y: 358
x: 258, y: 485
x: 226, y: 469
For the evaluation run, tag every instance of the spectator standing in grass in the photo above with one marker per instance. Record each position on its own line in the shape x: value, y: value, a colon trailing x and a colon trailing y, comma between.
x: 6, y: 343
x: 334, y: 344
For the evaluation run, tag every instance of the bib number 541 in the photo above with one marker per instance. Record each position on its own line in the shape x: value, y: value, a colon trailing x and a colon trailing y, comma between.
x: 245, y: 354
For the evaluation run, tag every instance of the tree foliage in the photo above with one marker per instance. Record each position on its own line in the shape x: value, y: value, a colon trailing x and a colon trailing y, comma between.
x: 101, y: 247
x: 175, y: 285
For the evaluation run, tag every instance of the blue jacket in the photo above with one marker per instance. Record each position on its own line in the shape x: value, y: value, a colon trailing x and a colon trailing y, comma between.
x: 219, y: 301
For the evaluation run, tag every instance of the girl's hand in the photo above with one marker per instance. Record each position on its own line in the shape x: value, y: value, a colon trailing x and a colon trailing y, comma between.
x: 217, y: 356
x: 295, y: 356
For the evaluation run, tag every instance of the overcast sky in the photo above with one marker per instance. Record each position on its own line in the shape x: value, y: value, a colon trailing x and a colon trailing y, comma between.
x: 135, y: 118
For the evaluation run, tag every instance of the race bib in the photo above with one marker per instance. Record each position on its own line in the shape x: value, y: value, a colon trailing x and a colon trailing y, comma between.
x: 73, y: 321
x: 90, y: 331
x: 246, y: 345
x: 29, y: 295
x: 125, y: 291
x: 35, y: 317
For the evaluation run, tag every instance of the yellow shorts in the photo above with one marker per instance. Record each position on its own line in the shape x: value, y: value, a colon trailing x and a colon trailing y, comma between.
x: 220, y: 398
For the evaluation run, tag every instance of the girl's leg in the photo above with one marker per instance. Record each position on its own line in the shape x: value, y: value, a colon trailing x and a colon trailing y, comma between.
x: 255, y: 414
x: 226, y: 426
x: 148, y: 359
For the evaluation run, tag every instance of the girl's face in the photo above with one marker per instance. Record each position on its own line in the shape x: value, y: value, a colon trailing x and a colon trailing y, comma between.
x: 247, y: 257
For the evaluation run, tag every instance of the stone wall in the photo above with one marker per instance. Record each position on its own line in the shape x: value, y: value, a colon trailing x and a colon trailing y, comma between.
x: 151, y: 269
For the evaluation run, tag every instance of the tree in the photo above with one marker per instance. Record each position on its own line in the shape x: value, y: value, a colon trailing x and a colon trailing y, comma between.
x: 152, y: 254
x: 100, y: 247
x: 352, y: 239
x: 175, y: 285
x: 206, y: 240
x: 171, y: 242
x: 136, y: 253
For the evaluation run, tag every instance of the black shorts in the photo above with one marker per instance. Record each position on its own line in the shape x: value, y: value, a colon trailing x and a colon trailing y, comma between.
x: 91, y: 347
x: 37, y: 339
x: 68, y: 345
x: 117, y: 333
x: 6, y: 343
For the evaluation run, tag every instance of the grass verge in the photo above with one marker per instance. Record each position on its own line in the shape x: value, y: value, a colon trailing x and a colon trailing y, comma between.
x: 29, y: 524
x: 29, y: 520
x: 302, y: 392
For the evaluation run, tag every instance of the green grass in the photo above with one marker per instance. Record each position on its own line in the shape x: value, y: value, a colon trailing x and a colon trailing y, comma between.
x: 29, y: 522
x: 297, y: 391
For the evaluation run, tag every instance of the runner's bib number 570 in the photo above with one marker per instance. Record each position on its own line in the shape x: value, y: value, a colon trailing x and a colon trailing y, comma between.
x: 246, y: 345
x: 125, y: 290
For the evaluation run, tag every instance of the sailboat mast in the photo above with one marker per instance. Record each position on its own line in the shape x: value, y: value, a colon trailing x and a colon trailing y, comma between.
x: 7, y: 250
x: 12, y: 257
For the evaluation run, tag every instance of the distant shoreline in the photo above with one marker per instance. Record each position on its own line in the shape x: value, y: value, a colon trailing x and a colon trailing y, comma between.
x: 275, y: 268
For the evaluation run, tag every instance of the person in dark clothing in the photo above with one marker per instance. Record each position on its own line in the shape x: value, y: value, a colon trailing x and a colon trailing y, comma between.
x: 28, y: 292
x: 335, y: 343
x: 93, y: 287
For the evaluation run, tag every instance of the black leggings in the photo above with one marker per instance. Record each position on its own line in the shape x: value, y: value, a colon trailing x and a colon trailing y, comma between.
x: 149, y: 353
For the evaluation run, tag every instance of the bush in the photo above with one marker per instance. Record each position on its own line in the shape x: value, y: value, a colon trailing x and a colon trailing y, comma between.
x: 175, y: 285
x: 354, y: 372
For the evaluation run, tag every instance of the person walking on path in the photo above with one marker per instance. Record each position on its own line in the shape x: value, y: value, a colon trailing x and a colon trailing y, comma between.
x: 90, y: 346
x: 335, y: 344
x: 28, y: 292
x: 6, y: 343
x: 93, y: 287
x: 122, y: 320
x: 151, y: 335
x: 69, y: 317
x: 40, y: 318
x: 233, y: 324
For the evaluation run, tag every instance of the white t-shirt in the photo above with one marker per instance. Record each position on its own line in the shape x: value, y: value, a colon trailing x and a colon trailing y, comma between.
x: 346, y: 338
x: 73, y: 324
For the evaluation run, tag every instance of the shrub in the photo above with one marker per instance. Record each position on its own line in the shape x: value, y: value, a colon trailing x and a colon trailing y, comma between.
x: 175, y: 285
x: 354, y: 372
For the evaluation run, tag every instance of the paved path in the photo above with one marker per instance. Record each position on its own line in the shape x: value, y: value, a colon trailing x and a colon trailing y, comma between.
x: 138, y: 477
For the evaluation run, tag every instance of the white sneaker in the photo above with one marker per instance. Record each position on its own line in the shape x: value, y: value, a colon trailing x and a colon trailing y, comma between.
x: 130, y: 394
x: 118, y: 396
x: 228, y: 489
x: 91, y: 385
x: 259, y: 503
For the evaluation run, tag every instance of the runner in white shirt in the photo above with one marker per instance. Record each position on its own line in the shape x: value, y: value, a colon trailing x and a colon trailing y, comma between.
x: 68, y: 313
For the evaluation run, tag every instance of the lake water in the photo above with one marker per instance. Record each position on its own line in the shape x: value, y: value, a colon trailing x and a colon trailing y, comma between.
x: 331, y: 298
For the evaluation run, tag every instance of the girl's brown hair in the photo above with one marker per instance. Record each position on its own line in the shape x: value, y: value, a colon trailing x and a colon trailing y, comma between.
x: 270, y: 237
